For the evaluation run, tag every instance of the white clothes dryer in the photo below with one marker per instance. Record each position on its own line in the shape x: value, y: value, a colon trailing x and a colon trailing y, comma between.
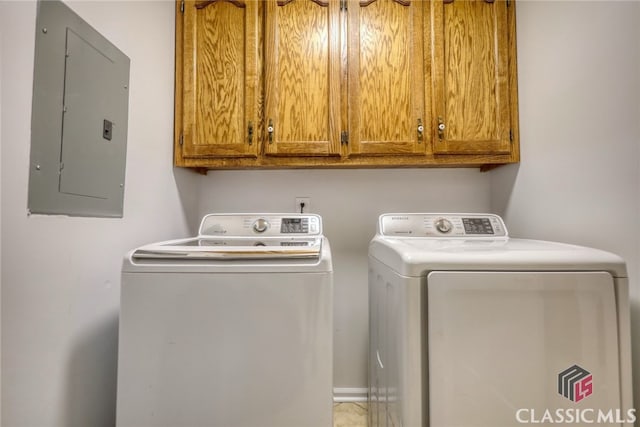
x: 232, y: 328
x: 472, y: 328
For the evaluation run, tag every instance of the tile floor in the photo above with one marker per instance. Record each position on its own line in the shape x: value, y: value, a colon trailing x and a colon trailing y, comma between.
x: 350, y: 414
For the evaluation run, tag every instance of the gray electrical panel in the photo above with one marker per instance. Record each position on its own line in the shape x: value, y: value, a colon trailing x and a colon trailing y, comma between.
x: 79, y: 118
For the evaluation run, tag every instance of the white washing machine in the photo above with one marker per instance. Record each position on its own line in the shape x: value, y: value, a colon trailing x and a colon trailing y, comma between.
x: 232, y: 328
x: 472, y: 328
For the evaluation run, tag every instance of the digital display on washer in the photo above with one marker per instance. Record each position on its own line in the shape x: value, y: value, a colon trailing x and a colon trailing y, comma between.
x: 298, y: 243
x: 477, y: 226
x: 294, y: 225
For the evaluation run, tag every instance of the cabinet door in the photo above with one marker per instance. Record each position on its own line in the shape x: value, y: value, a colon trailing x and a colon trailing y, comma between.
x: 386, y: 77
x: 219, y: 78
x: 471, y: 88
x: 302, y: 84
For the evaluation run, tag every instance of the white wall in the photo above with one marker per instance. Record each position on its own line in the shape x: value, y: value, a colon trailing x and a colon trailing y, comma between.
x: 2, y: 12
x: 61, y: 275
x: 350, y: 202
x: 579, y: 178
x: 579, y: 89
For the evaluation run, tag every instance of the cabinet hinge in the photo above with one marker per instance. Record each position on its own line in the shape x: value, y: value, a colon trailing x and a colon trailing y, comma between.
x: 511, y: 135
x: 181, y: 141
x: 343, y: 5
x: 182, y: 7
x: 344, y: 137
x: 508, y: 3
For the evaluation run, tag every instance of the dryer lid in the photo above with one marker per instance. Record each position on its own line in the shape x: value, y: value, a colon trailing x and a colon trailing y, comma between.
x: 413, y: 244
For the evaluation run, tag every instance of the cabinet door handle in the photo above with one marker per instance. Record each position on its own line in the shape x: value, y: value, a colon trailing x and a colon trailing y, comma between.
x: 270, y: 130
x: 441, y: 127
x: 420, y: 130
x: 250, y: 133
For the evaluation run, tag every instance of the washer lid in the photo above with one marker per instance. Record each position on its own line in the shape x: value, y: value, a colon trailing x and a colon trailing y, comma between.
x: 239, y: 243
x: 189, y: 256
x: 208, y: 248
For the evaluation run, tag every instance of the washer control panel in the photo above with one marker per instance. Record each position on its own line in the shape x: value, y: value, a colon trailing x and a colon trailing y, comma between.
x: 245, y: 225
x: 260, y: 225
x: 442, y: 225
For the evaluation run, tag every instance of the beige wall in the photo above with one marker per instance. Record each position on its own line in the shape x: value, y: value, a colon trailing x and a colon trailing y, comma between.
x: 578, y: 182
x: 350, y: 202
x: 579, y: 179
x: 1, y: 13
x: 61, y: 275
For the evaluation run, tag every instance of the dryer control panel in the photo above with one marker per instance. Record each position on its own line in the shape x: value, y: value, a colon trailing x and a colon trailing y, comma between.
x: 442, y: 225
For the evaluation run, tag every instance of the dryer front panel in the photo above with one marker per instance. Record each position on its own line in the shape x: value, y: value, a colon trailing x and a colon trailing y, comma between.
x: 505, y: 347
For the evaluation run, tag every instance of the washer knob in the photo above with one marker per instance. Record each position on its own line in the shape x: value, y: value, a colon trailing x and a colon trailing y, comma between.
x: 444, y: 226
x: 261, y: 225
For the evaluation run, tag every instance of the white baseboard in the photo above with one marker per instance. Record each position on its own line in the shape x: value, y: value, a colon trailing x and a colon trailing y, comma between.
x: 350, y: 394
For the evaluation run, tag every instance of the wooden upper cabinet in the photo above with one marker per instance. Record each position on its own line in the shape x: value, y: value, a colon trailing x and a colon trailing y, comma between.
x: 302, y: 78
x: 471, y: 77
x: 219, y: 79
x: 387, y: 74
x: 345, y: 83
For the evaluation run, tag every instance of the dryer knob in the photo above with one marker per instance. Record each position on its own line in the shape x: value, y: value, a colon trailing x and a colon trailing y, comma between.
x: 261, y: 225
x: 444, y: 225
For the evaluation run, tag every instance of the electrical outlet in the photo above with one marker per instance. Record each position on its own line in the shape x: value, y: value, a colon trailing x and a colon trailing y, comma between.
x: 303, y: 205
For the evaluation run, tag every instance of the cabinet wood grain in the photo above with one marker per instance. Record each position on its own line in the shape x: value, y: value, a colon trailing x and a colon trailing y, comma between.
x: 471, y: 79
x: 302, y: 83
x: 219, y: 79
x: 345, y: 84
x: 386, y: 78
